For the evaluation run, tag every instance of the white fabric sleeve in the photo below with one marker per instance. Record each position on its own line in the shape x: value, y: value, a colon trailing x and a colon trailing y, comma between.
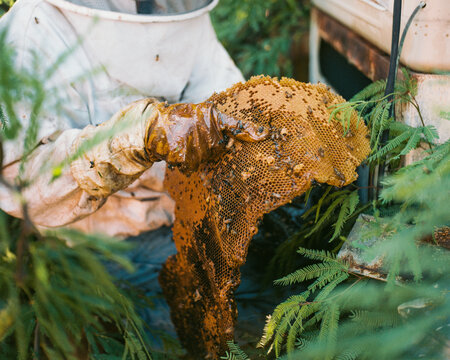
x: 34, y: 26
x: 50, y: 203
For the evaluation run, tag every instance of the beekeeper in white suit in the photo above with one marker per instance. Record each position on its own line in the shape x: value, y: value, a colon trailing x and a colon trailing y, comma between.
x: 171, y: 52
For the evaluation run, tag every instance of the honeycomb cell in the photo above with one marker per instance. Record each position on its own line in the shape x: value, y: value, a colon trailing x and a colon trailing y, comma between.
x: 219, y: 206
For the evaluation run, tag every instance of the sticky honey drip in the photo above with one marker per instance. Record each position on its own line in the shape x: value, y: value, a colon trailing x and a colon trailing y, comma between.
x: 219, y: 206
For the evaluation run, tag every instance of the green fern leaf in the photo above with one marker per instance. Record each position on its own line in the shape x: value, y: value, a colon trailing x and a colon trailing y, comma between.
x: 293, y: 333
x: 327, y: 214
x: 235, y: 352
x: 301, y: 343
x: 348, y: 355
x: 375, y: 319
x: 375, y: 122
x: 347, y: 209
x: 430, y: 132
x: 319, y: 203
x: 326, y: 200
x: 309, y: 272
x: 370, y: 91
x: 329, y: 327
x: 326, y: 291
x: 397, y: 127
x: 412, y: 142
x: 321, y: 255
x: 380, y: 122
x: 392, y: 144
x: 325, y: 279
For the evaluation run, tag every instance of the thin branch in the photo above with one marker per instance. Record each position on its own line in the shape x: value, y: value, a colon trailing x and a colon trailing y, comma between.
x: 416, y: 105
x: 36, y: 341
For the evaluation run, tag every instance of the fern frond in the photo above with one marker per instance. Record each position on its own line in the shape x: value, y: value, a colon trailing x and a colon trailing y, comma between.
x: 272, y: 322
x: 412, y: 142
x: 326, y: 291
x: 321, y: 255
x: 430, y: 132
x: 380, y: 122
x: 397, y: 127
x: 268, y: 332
x: 294, y: 331
x: 327, y: 214
x: 326, y: 278
x: 370, y: 91
x: 313, y: 320
x: 292, y: 302
x: 309, y: 272
x: 235, y: 352
x: 301, y: 343
x: 290, y: 327
x: 342, y: 216
x: 326, y: 200
x: 406, y: 89
x: 329, y: 328
x: 347, y: 209
x: 282, y: 329
x: 375, y: 319
x: 391, y: 145
x: 348, y: 355
x: 319, y: 203
x: 374, y: 121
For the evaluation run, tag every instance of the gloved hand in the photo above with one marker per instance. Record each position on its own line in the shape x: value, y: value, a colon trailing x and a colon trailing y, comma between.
x: 184, y: 135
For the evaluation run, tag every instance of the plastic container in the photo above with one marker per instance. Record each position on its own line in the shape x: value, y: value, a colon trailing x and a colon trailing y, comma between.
x: 427, y: 44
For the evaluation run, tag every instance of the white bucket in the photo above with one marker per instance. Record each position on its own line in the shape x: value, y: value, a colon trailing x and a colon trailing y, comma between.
x: 427, y: 44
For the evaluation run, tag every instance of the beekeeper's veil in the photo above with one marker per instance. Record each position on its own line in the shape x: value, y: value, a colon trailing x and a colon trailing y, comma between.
x: 156, y: 7
x: 162, y: 48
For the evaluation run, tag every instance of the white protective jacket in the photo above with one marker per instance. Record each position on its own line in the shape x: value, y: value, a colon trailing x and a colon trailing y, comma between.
x: 174, y: 55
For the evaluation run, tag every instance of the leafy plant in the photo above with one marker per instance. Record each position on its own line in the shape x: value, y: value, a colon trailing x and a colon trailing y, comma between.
x: 259, y: 34
x: 297, y: 314
x: 335, y: 210
x: 5, y: 5
x: 342, y: 315
x: 373, y: 106
x: 57, y: 301
x: 235, y: 353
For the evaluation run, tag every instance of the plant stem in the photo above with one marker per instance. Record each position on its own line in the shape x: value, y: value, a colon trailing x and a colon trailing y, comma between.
x: 36, y: 342
x: 416, y: 105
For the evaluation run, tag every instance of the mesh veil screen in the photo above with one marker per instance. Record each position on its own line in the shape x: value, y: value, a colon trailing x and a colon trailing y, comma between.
x: 219, y: 206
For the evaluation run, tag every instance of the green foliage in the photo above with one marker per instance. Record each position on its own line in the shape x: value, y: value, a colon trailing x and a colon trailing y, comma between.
x: 259, y: 34
x: 335, y: 210
x: 333, y: 213
x: 341, y: 315
x: 5, y: 5
x: 353, y: 317
x: 297, y: 314
x: 235, y: 353
x: 373, y: 106
x: 57, y: 301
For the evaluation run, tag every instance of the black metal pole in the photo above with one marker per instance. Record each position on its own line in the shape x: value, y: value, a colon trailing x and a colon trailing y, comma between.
x: 390, y: 85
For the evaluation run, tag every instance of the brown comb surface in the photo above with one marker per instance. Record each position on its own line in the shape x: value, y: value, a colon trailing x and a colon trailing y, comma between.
x: 219, y: 206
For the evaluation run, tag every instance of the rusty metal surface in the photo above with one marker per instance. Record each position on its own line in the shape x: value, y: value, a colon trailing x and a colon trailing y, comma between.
x: 352, y: 250
x: 368, y: 59
x: 353, y: 254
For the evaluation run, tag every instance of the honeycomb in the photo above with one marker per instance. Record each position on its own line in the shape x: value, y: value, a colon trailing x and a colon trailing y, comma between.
x: 219, y: 206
